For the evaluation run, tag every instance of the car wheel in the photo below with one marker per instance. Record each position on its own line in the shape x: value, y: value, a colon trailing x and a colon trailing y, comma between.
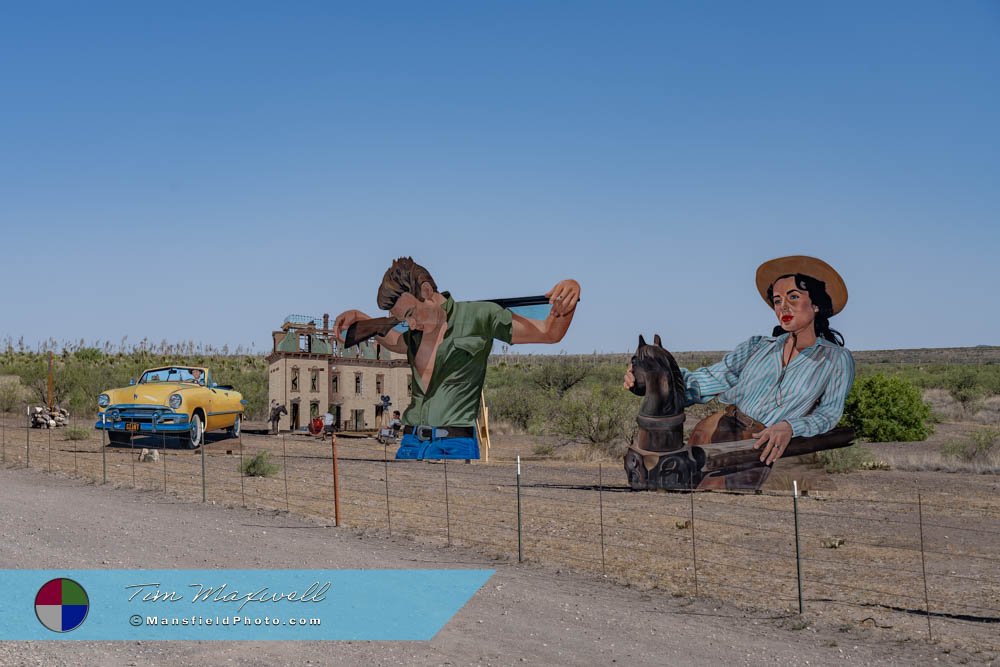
x: 234, y: 430
x: 197, y: 432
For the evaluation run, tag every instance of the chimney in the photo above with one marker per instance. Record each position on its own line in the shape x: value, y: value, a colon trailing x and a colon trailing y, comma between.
x: 326, y: 321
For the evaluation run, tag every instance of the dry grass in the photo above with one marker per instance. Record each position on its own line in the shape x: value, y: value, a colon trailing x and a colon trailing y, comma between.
x: 988, y: 411
x: 941, y: 462
x: 944, y: 406
x: 955, y: 448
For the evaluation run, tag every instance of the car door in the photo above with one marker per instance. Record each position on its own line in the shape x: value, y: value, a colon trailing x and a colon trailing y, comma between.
x: 224, y: 407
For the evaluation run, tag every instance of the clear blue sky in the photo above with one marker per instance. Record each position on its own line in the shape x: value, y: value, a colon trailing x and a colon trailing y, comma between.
x: 199, y: 170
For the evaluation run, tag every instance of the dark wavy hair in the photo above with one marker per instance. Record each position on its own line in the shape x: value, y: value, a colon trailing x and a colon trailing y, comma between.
x: 403, y: 276
x: 817, y: 294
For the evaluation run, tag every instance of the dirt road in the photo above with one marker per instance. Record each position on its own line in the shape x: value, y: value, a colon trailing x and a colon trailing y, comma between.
x: 525, y: 614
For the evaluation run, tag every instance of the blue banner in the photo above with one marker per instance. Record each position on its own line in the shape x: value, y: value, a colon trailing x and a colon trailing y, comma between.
x: 384, y: 605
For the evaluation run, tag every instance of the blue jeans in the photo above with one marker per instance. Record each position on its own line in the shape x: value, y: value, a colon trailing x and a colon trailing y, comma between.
x: 412, y: 447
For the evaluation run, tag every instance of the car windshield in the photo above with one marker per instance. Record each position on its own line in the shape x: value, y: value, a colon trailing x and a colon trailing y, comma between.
x: 173, y: 374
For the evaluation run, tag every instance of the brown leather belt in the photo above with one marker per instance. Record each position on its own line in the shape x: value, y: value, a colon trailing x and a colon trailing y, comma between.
x: 438, y: 432
x: 743, y: 420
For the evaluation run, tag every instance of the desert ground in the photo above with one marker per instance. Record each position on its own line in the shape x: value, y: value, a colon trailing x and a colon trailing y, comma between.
x: 865, y: 542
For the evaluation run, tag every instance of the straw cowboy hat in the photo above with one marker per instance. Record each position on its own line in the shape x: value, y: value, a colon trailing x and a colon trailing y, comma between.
x: 773, y: 269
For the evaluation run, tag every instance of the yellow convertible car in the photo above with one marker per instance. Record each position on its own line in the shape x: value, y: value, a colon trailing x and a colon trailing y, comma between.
x: 173, y: 400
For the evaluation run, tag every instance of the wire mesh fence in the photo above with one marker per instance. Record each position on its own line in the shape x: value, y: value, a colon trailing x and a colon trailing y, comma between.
x: 930, y: 559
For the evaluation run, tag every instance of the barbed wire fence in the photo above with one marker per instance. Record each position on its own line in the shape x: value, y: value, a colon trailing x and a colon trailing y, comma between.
x: 929, y: 560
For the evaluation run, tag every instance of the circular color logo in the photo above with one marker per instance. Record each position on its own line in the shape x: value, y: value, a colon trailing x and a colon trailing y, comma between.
x: 61, y: 605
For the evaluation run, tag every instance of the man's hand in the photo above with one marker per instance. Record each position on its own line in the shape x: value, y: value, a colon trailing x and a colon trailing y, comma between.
x: 564, y: 297
x: 343, y: 322
x: 776, y: 438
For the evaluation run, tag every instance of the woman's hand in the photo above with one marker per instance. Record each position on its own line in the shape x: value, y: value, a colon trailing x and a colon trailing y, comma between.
x: 629, y: 378
x: 776, y: 439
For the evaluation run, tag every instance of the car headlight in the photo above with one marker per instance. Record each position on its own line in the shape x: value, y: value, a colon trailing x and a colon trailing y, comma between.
x: 103, y: 401
x: 174, y: 401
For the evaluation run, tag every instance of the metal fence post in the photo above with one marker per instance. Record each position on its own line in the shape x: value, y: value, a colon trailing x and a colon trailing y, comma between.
x: 76, y: 465
x: 284, y: 465
x: 600, y: 502
x: 694, y: 549
x: 3, y: 438
x: 27, y: 441
x: 49, y: 429
x: 104, y: 449
x: 336, y: 481
x: 385, y: 461
x: 923, y: 564
x: 798, y: 544
x: 447, y: 510
x: 243, y: 490
x: 204, y: 491
x: 131, y: 447
x: 163, y: 446
x: 520, y: 541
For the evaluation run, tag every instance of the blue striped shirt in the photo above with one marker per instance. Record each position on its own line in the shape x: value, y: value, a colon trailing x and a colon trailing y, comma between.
x: 809, y: 393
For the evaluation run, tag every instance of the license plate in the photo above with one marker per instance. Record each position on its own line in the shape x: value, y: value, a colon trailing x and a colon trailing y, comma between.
x: 131, y: 426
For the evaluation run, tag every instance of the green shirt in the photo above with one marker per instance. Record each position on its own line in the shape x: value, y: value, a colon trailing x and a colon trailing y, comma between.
x: 452, y: 398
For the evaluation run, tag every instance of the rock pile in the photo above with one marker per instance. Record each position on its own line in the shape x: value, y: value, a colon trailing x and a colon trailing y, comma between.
x: 42, y: 418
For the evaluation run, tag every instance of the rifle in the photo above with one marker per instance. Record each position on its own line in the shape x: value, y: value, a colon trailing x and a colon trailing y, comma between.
x: 361, y: 331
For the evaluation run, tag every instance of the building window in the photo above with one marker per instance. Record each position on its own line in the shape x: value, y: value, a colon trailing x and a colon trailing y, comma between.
x: 313, y: 410
x: 314, y: 380
x: 304, y: 343
x: 295, y: 378
x: 379, y: 384
x: 358, y: 385
x: 409, y: 385
x: 335, y: 383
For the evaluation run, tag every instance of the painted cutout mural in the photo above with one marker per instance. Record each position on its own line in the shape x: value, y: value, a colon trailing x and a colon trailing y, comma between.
x: 447, y: 344
x: 784, y: 393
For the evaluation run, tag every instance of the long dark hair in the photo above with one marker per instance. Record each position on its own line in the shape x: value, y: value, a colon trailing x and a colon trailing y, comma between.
x: 819, y: 297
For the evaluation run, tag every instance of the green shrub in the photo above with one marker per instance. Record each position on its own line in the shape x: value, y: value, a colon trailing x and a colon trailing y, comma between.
x: 260, y: 466
x: 978, y: 447
x: 846, y: 459
x: 77, y: 433
x: 523, y: 406
x: 11, y: 394
x: 886, y: 409
x: 544, y: 450
x: 559, y: 377
x: 598, y: 415
x: 964, y: 384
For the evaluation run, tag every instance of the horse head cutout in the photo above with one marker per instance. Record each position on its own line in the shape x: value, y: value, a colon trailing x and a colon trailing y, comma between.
x: 658, y: 457
x: 658, y: 380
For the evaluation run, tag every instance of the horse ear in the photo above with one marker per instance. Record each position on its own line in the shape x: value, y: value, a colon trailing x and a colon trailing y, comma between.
x: 642, y: 341
x: 656, y: 340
